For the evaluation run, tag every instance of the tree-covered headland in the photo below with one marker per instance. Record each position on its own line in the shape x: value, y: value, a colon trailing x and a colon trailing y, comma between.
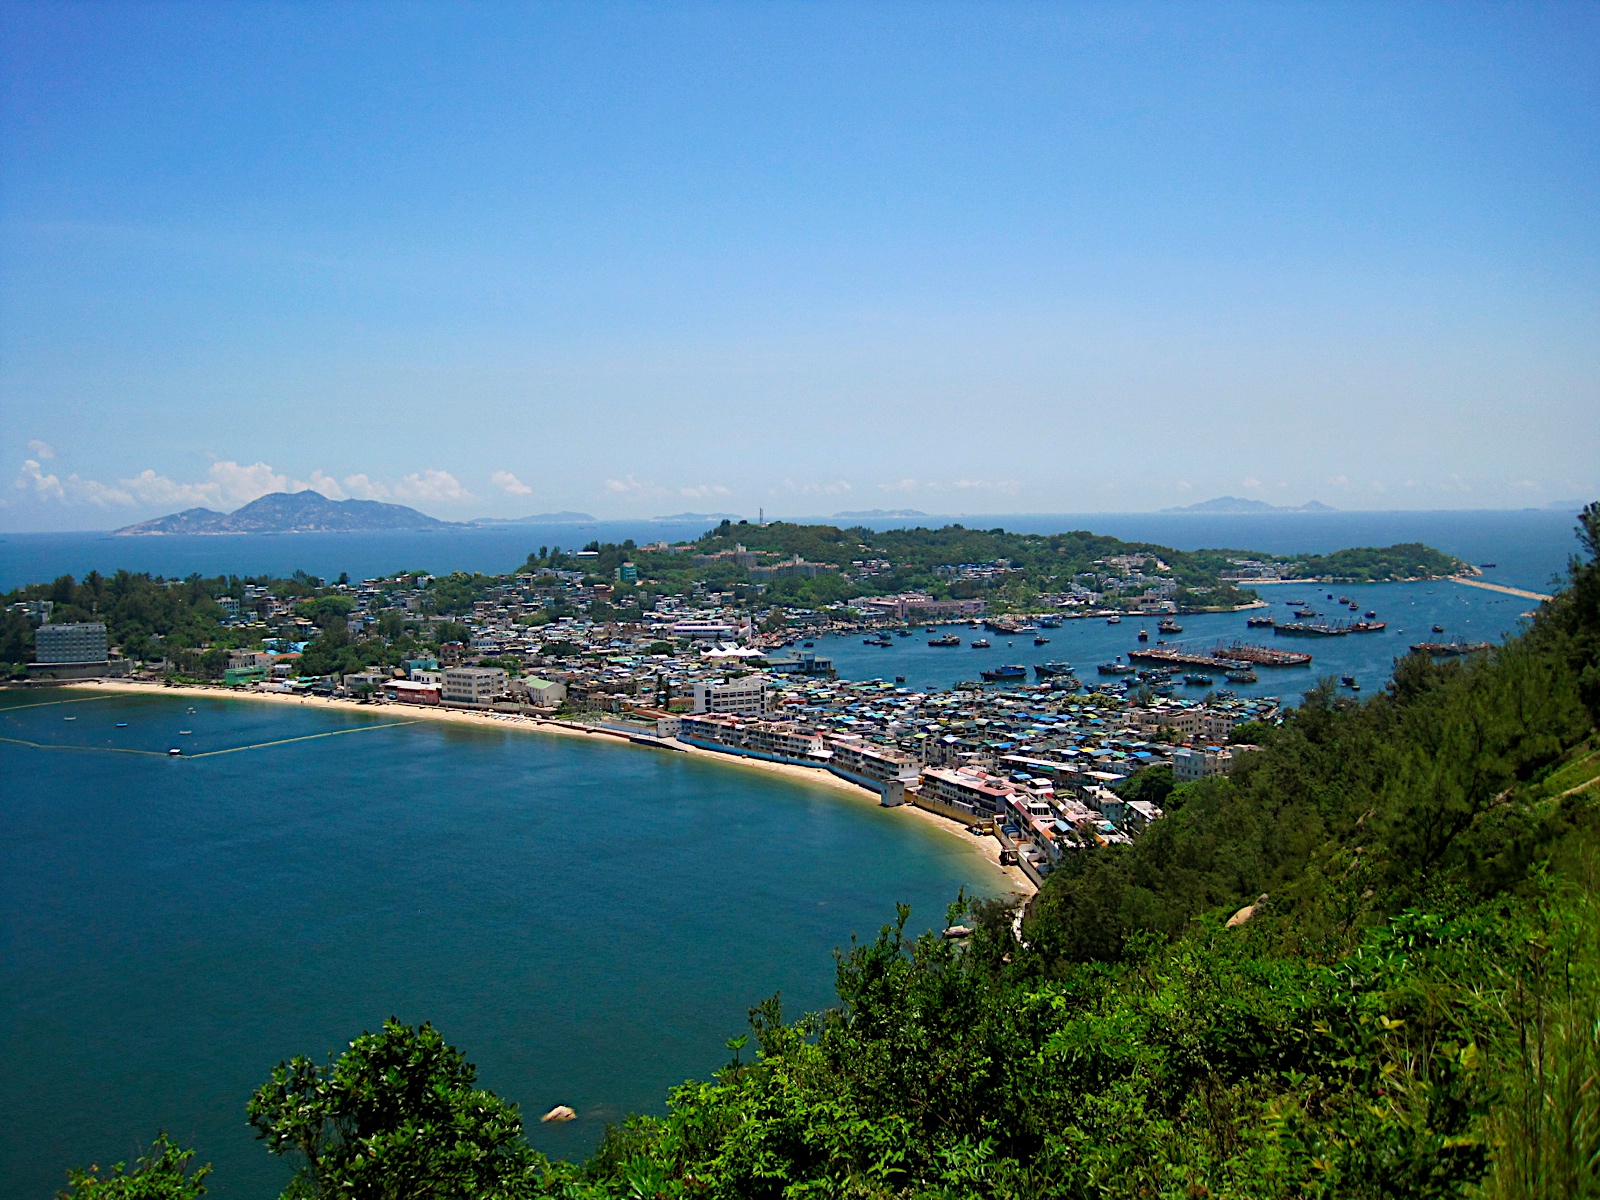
x: 1367, y: 964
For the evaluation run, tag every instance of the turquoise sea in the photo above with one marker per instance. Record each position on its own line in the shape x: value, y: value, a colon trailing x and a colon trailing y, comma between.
x: 589, y: 922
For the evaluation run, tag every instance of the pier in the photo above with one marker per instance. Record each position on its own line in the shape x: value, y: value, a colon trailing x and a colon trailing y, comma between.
x: 1220, y: 658
x: 1498, y: 587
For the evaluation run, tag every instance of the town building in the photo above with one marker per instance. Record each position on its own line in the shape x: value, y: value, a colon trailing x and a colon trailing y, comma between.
x: 80, y: 642
x: 1200, y: 763
x: 746, y: 697
x: 478, y: 686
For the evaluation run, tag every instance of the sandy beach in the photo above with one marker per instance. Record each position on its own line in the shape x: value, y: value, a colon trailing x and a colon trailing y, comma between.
x: 987, y: 847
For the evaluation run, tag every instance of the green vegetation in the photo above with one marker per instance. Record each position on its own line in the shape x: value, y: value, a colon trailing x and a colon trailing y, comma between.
x: 1409, y: 560
x: 1406, y: 1002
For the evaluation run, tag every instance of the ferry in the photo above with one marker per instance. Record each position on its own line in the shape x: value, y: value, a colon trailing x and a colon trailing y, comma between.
x: 948, y: 639
x: 980, y: 643
x: 1003, y: 674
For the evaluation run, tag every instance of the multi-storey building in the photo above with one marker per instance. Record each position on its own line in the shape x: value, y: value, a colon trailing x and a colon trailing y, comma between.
x: 472, y: 685
x: 80, y: 642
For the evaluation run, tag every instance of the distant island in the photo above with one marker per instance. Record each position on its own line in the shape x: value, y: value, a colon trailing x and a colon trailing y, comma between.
x: 688, y: 516
x: 555, y: 518
x: 879, y: 514
x: 1235, y: 504
x: 291, y: 512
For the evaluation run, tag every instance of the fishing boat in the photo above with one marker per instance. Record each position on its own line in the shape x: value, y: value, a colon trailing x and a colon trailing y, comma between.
x: 948, y: 639
x: 1050, y: 622
x: 1262, y: 622
x: 1348, y: 680
x: 1144, y: 635
x: 808, y: 643
x: 1116, y: 668
x: 980, y: 643
x: 1004, y: 674
x: 1040, y: 640
x: 1304, y: 613
x: 1438, y: 628
x: 1051, y: 669
x: 904, y: 633
x: 1367, y: 626
x: 1242, y: 676
x: 1195, y: 679
x: 1168, y: 625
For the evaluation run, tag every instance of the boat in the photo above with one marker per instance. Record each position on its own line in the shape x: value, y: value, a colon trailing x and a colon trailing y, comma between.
x: 1195, y: 679
x: 1367, y: 626
x: 1168, y: 625
x: 1040, y: 640
x: 1144, y: 635
x: 904, y: 633
x: 1051, y: 669
x: 122, y: 724
x: 1244, y: 675
x: 1307, y: 629
x: 1304, y: 613
x: 1450, y: 647
x: 980, y: 643
x: 1154, y: 675
x: 1486, y: 566
x: 1371, y: 612
x: 1050, y: 622
x: 1295, y: 603
x: 1438, y: 628
x: 174, y: 752
x: 948, y: 639
x: 1116, y: 668
x: 1260, y: 622
x: 930, y: 629
x: 1348, y: 680
x: 1113, y: 619
x: 1002, y: 674
x: 808, y: 643
x: 881, y: 639
x: 899, y: 678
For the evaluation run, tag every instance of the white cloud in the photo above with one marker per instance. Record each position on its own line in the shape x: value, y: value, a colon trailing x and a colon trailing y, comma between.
x: 157, y: 490
x: 703, y: 491
x: 46, y: 487
x: 42, y: 448
x: 1185, y: 486
x: 1009, y: 486
x: 363, y: 487
x: 1339, y: 480
x: 1251, y: 483
x: 322, y: 482
x: 629, y: 484
x: 431, y: 484
x: 904, y: 485
x: 510, y: 484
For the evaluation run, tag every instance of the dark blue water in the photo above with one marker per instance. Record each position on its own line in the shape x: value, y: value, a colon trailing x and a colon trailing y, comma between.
x: 1529, y: 547
x: 588, y: 922
x: 1411, y: 609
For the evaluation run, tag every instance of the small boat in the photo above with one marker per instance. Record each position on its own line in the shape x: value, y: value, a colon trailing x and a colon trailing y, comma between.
x: 174, y: 752
x: 948, y: 639
x: 1304, y: 613
x: 1438, y: 628
x: 1113, y: 619
x: 69, y: 718
x: 1295, y: 603
x: 1040, y: 640
x: 1144, y: 635
x: 1370, y: 613
x: 1242, y: 676
x: 1348, y: 680
x: 1487, y: 566
x: 1195, y: 679
x: 1168, y: 625
x: 930, y: 629
x: 980, y: 643
x: 904, y: 633
x: 1007, y: 672
x: 1050, y: 622
x: 1258, y: 622
x: 1344, y: 599
x: 1116, y: 668
x: 808, y: 643
x: 1051, y: 669
x: 122, y: 724
x: 899, y: 678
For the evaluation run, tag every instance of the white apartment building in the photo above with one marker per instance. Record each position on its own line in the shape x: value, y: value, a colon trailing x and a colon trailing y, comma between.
x: 82, y: 642
x: 1189, y: 765
x: 745, y: 697
x: 471, y: 685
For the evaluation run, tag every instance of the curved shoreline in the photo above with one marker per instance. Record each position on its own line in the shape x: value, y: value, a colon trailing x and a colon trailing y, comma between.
x: 986, y: 847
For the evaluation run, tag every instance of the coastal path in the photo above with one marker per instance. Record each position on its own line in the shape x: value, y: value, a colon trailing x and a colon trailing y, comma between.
x: 1498, y: 587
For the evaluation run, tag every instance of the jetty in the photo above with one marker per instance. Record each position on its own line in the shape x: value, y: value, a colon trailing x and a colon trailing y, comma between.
x: 1499, y: 587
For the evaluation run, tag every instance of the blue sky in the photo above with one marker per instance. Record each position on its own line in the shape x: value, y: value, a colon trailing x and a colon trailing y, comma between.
x: 499, y: 259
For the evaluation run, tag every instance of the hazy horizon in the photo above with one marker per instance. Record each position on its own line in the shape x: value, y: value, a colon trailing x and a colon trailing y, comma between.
x: 496, y: 260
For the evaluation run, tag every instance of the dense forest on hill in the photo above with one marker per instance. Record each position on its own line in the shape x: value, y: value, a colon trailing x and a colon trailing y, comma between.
x: 1366, y: 965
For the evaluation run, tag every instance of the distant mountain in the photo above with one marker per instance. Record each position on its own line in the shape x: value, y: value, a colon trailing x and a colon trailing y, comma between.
x: 700, y: 517
x: 291, y: 512
x: 1234, y: 504
x: 879, y: 514
x: 555, y: 518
